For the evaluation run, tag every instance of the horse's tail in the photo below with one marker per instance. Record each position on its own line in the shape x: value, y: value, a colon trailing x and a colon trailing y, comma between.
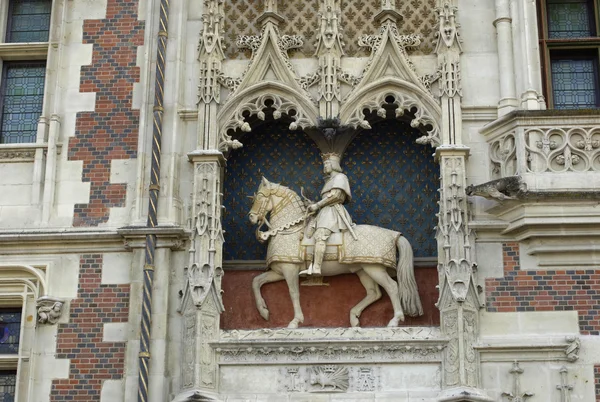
x: 409, y: 293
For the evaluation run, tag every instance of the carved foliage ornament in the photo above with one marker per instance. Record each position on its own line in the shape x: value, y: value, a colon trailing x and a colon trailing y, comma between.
x: 401, y: 103
x: 257, y: 106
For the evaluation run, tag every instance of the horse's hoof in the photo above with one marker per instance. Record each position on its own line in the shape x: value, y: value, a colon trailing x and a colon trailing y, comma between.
x: 264, y: 314
x: 354, y: 322
x: 293, y: 325
x: 393, y: 323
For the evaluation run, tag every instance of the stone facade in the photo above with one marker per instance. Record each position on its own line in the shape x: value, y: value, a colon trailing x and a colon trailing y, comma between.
x: 113, y: 251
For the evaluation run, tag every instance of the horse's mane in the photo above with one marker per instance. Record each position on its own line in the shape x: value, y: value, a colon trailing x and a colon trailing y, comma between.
x: 281, y: 191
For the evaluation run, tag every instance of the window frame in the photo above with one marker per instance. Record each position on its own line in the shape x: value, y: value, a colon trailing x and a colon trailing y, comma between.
x: 3, y: 80
x: 25, y: 52
x: 576, y: 46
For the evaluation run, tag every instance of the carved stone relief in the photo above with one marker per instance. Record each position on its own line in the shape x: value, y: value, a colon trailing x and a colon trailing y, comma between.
x: 301, y: 17
x: 203, y: 275
x: 517, y: 395
x: 210, y: 51
x: 564, y: 387
x: 49, y: 309
x: 329, y: 378
x: 556, y: 149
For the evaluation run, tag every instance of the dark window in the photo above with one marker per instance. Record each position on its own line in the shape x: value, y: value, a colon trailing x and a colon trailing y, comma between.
x: 10, y: 331
x: 8, y: 385
x: 574, y: 80
x: 28, y: 21
x: 22, y: 93
x: 570, y: 19
x: 569, y: 43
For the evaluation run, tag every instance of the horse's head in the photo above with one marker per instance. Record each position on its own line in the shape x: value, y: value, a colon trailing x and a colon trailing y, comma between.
x: 262, y: 204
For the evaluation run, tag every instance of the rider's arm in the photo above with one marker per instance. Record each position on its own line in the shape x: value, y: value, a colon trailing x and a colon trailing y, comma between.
x: 334, y: 196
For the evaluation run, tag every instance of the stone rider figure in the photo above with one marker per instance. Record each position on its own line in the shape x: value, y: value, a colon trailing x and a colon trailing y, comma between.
x: 332, y: 216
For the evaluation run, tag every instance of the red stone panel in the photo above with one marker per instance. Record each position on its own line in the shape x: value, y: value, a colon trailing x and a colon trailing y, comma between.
x: 111, y: 130
x: 545, y: 290
x: 80, y: 340
x: 323, y: 306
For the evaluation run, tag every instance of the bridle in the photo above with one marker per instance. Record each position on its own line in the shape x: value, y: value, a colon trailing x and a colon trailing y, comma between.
x: 266, y: 204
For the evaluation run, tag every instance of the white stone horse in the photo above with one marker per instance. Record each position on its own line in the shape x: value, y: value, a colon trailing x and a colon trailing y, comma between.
x: 370, y: 257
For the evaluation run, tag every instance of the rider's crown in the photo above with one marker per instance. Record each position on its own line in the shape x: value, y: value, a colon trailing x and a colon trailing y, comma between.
x: 331, y: 155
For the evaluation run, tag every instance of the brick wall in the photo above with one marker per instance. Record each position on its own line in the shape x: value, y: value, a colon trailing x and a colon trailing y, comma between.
x: 546, y: 290
x: 92, y: 360
x: 111, y: 130
x: 597, y: 382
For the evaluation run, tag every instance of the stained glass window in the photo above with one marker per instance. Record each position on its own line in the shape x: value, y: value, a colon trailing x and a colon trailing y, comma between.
x: 8, y: 385
x: 570, y: 19
x: 28, y: 21
x: 22, y: 97
x: 10, y: 331
x: 574, y: 82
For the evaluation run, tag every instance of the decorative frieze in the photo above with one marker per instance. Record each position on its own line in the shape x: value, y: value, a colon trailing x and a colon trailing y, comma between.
x: 329, y: 379
x: 335, y: 345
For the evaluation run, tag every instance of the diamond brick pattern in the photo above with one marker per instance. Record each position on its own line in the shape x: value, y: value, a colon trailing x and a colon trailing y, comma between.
x: 111, y: 131
x: 80, y: 340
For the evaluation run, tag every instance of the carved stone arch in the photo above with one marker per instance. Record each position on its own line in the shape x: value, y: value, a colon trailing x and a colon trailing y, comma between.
x: 253, y: 101
x: 398, y: 96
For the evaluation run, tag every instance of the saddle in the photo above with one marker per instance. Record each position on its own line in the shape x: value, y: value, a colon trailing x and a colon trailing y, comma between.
x: 307, y: 244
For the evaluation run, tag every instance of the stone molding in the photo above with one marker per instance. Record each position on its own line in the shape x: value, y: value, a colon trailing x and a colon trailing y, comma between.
x: 565, y: 349
x: 330, y: 345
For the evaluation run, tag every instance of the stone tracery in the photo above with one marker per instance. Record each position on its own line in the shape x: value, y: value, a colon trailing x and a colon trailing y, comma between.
x: 388, y: 86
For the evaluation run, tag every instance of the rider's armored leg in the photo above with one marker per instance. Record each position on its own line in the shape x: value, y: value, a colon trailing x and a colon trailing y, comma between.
x: 321, y: 236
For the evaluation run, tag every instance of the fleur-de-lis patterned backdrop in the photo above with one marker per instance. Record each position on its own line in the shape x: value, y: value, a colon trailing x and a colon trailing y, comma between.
x: 393, y: 182
x: 282, y: 156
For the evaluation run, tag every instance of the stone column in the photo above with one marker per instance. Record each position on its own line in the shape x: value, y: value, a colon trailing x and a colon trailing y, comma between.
x: 201, y: 303
x: 527, y: 60
x: 458, y: 302
x: 503, y: 23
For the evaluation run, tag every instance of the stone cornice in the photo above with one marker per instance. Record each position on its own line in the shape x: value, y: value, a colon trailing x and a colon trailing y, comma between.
x: 47, y: 241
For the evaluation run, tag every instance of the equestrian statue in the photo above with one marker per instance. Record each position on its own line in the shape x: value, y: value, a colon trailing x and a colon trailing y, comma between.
x: 321, y: 235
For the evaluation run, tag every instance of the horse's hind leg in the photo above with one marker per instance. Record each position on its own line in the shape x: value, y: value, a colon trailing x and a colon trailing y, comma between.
x: 290, y: 272
x: 257, y: 282
x: 373, y: 294
x: 380, y: 275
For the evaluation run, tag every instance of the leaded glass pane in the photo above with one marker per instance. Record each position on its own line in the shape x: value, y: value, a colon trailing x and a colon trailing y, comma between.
x: 23, y: 93
x: 28, y: 21
x: 8, y: 386
x: 10, y: 331
x: 574, y: 83
x: 569, y: 19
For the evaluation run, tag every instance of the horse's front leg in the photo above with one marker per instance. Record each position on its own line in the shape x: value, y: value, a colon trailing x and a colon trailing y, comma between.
x: 257, y: 282
x: 290, y: 273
